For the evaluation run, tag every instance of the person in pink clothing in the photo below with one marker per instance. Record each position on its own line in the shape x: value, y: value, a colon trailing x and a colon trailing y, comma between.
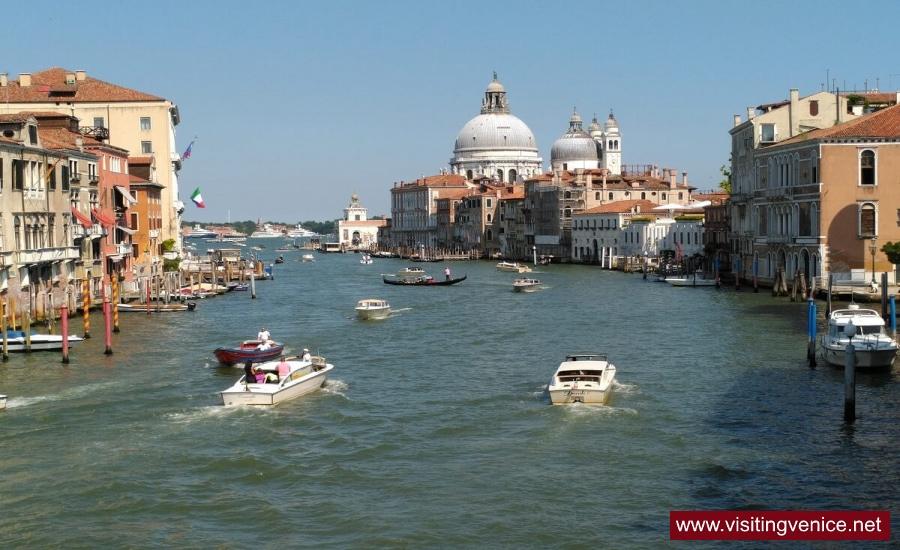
x: 284, y: 369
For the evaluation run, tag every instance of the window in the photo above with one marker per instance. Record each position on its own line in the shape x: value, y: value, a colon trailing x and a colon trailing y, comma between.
x: 1, y: 175
x: 488, y: 203
x: 146, y: 148
x: 18, y: 174
x: 867, y: 167
x: 51, y: 179
x: 867, y: 220
x: 65, y: 178
x: 32, y: 134
x: 814, y: 108
x: 767, y: 133
x: 145, y: 123
x: 99, y: 122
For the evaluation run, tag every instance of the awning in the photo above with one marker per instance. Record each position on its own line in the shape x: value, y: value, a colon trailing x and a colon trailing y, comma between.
x: 85, y: 220
x: 115, y: 257
x: 125, y: 194
x: 104, y: 219
x: 126, y: 230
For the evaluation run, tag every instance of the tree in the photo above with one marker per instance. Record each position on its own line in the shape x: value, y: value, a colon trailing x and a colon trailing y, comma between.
x: 725, y: 184
x: 892, y: 251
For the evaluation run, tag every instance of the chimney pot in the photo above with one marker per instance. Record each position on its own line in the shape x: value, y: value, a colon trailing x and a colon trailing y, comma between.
x: 25, y: 80
x: 80, y: 75
x: 4, y: 80
x: 737, y: 120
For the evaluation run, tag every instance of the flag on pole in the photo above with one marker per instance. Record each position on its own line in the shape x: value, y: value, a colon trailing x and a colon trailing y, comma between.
x: 198, y: 200
x: 187, y: 152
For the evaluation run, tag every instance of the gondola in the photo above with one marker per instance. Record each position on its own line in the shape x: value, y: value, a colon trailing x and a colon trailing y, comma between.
x: 420, y: 281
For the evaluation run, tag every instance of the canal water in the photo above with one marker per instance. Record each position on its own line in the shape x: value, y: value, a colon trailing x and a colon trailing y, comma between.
x: 435, y: 429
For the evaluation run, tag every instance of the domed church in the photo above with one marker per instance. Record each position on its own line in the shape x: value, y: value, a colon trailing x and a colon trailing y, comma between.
x: 495, y: 143
x: 601, y: 148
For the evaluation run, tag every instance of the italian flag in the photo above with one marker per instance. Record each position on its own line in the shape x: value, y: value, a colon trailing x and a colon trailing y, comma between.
x: 197, y: 198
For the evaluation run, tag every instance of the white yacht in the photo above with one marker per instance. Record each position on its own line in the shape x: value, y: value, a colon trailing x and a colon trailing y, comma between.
x: 199, y: 233
x: 525, y: 284
x: 582, y: 378
x: 872, y: 346
x: 513, y: 267
x: 266, y: 231
x: 302, y: 377
x: 372, y: 309
x: 299, y: 232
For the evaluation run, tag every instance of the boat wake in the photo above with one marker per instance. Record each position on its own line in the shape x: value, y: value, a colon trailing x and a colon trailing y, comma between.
x: 79, y: 392
x: 335, y: 387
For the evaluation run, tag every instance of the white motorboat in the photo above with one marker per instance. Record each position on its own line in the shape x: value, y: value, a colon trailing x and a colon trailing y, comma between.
x: 513, y: 267
x: 16, y: 341
x: 157, y: 307
x: 302, y: 378
x: 410, y: 272
x: 872, y: 346
x: 365, y: 259
x: 524, y: 284
x: 2, y: 401
x: 372, y: 309
x: 694, y: 279
x: 266, y: 231
x: 308, y: 258
x: 299, y: 232
x: 582, y: 378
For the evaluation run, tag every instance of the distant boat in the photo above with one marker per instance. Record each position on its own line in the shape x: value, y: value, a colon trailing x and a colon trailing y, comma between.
x: 266, y: 232
x: 15, y: 341
x: 199, y: 233
x: 373, y: 309
x: 158, y: 308
x: 299, y: 232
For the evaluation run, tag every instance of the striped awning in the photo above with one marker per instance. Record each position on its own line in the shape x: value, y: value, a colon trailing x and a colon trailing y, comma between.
x: 85, y: 220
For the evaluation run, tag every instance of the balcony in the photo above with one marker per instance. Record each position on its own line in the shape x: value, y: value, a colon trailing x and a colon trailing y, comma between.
x: 98, y: 132
x: 46, y: 255
x: 123, y: 249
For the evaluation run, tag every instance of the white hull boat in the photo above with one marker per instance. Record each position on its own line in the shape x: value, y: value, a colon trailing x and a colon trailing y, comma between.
x: 308, y: 258
x: 304, y: 377
x: 582, y: 378
x: 373, y: 309
x: 16, y: 342
x: 695, y: 279
x: 410, y: 272
x: 2, y: 401
x: 872, y: 347
x: 266, y: 232
x: 526, y: 285
x: 513, y: 267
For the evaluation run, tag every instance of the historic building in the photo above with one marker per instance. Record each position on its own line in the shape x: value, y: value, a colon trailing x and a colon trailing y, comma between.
x: 601, y: 147
x: 414, y: 220
x: 356, y: 230
x: 141, y: 123
x: 495, y: 143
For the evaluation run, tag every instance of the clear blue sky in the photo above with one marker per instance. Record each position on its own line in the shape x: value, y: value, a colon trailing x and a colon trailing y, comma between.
x: 353, y: 96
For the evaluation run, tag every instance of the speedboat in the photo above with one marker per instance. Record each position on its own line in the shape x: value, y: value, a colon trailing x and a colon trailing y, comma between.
x: 410, y: 272
x: 694, y: 279
x: 582, y: 378
x: 308, y: 258
x: 513, y: 267
x: 199, y: 233
x: 248, y: 350
x: 872, y: 346
x: 16, y: 341
x: 373, y: 309
x: 365, y: 259
x: 524, y: 284
x: 302, y: 378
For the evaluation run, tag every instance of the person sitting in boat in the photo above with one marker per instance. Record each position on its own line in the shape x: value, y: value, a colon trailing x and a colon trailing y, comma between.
x: 284, y: 369
x: 260, y: 375
x: 271, y: 378
x: 264, y: 345
x: 305, y: 356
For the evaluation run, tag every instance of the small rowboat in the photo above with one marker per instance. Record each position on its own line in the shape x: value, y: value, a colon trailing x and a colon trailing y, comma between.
x: 248, y: 350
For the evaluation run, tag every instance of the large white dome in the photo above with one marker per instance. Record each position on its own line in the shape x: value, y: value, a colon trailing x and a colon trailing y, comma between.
x: 495, y: 132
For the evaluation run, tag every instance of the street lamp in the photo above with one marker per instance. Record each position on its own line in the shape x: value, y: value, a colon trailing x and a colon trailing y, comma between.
x: 873, y: 248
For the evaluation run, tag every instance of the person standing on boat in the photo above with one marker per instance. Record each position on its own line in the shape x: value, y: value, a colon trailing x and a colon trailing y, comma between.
x: 306, y: 356
x: 249, y: 375
x: 263, y: 335
x: 447, y: 273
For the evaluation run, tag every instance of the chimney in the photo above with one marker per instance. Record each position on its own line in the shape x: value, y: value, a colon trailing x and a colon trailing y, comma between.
x: 4, y: 80
x: 794, y: 113
x: 684, y: 178
x: 737, y: 120
x: 25, y: 80
x: 672, y: 173
x: 751, y: 112
x: 79, y: 143
x: 70, y: 79
x: 605, y: 171
x: 80, y: 75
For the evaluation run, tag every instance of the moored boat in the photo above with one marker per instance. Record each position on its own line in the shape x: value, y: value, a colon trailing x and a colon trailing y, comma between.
x: 16, y: 341
x: 582, y: 378
x: 694, y: 279
x: 302, y: 377
x: 373, y: 309
x: 513, y: 267
x: 158, y: 307
x: 873, y: 348
x: 524, y: 284
x: 248, y: 350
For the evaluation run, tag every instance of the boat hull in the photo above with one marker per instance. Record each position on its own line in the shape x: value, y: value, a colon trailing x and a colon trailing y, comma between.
x: 16, y: 342
x: 2, y: 401
x: 234, y: 356
x: 571, y: 396
x: 373, y: 314
x: 582, y: 378
x: 273, y: 394
x: 157, y: 308
x: 865, y: 359
x: 420, y: 281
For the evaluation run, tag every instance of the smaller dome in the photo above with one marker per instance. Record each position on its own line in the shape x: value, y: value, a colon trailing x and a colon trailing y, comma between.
x: 595, y: 126
x: 495, y: 86
x: 576, y: 144
x: 611, y: 122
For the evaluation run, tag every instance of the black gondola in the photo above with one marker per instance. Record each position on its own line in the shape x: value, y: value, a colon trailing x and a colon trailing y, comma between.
x: 420, y: 281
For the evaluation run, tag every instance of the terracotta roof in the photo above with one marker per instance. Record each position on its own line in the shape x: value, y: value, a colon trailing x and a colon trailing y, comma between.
x: 60, y: 138
x: 13, y: 117
x: 622, y: 207
x: 454, y: 194
x: 880, y: 124
x: 49, y: 86
x: 441, y: 180
x: 140, y: 160
x: 876, y: 97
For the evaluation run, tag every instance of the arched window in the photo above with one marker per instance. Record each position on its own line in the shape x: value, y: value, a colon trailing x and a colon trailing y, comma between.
x: 643, y: 195
x: 597, y: 196
x: 868, y: 220
x: 500, y: 175
x: 610, y: 196
x: 867, y: 167
x: 567, y: 213
x: 468, y: 174
x: 513, y: 176
x: 490, y: 235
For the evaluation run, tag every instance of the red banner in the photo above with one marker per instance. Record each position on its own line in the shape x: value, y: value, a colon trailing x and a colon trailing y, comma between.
x: 779, y: 525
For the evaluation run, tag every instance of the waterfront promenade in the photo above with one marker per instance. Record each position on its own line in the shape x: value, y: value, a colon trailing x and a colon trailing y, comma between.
x: 435, y: 430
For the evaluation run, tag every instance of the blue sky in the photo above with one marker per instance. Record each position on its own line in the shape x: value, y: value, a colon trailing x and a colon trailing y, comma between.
x: 354, y: 96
